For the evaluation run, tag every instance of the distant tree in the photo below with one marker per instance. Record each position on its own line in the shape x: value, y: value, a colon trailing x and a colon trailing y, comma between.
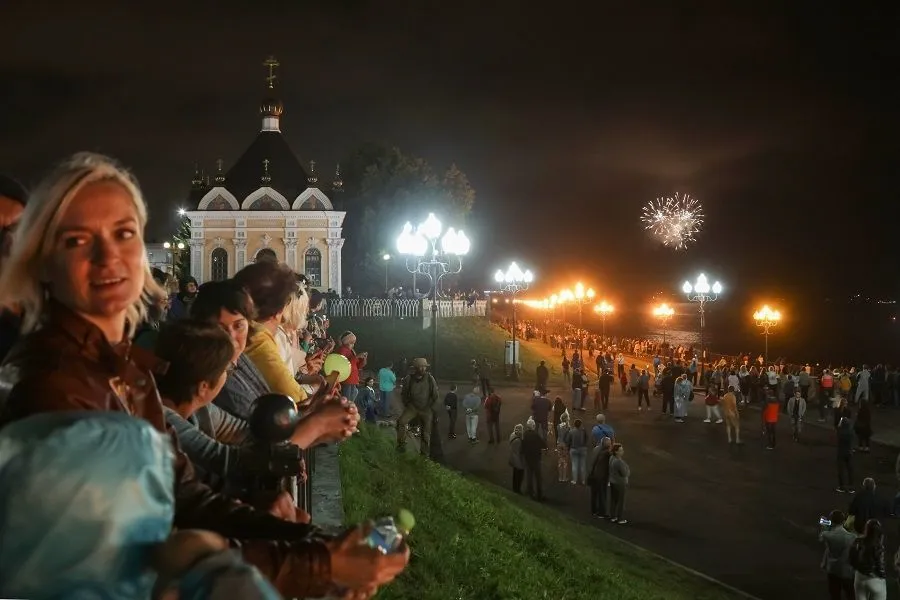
x: 182, y: 257
x: 383, y: 189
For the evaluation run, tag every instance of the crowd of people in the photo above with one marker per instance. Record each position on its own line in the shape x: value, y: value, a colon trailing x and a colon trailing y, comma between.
x: 128, y: 416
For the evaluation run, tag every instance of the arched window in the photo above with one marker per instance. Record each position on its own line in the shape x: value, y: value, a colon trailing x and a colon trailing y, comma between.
x: 219, y: 203
x: 312, y: 267
x: 219, y: 265
x: 265, y: 203
x: 266, y: 255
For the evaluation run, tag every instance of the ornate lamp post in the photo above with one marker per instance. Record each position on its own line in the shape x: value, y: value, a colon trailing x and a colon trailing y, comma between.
x: 514, y: 280
x: 554, y: 300
x: 664, y: 312
x: 701, y: 292
x: 603, y: 309
x: 582, y: 297
x: 565, y: 296
x: 386, y: 258
x: 176, y: 249
x: 430, y: 254
x: 766, y: 318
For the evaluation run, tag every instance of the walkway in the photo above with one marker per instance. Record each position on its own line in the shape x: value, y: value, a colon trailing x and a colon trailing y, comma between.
x: 743, y: 515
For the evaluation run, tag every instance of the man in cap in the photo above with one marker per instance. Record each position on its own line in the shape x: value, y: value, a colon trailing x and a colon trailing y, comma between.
x: 419, y: 393
x: 12, y: 202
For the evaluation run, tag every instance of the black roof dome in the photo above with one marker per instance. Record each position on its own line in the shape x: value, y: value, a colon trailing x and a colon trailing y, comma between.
x: 288, y: 177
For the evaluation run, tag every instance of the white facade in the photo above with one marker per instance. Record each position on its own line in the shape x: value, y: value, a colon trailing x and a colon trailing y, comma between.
x: 310, y: 242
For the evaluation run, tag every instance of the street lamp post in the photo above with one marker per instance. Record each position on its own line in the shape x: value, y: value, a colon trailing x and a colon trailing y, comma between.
x: 664, y: 312
x: 766, y: 318
x: 701, y: 292
x: 514, y: 280
x: 582, y: 297
x: 565, y: 296
x: 603, y: 309
x: 176, y: 250
x: 425, y: 257
x: 386, y: 258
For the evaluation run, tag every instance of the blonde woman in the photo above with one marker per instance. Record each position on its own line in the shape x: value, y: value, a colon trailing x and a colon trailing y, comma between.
x: 79, y: 270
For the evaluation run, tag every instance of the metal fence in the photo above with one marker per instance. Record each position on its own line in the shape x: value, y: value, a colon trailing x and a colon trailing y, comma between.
x: 383, y: 308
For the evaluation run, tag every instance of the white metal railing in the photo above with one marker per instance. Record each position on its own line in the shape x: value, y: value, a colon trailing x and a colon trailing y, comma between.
x: 382, y: 308
x: 455, y: 308
x: 374, y: 308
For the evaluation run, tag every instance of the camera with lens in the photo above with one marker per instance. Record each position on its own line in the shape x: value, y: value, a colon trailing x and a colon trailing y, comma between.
x: 271, y: 464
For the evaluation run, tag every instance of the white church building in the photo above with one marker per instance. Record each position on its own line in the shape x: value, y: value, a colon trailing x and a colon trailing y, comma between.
x: 265, y: 205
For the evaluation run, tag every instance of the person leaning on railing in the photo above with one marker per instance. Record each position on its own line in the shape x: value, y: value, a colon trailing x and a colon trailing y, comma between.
x: 81, y: 275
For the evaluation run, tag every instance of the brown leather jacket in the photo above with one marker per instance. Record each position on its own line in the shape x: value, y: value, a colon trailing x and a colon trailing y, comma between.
x: 69, y: 365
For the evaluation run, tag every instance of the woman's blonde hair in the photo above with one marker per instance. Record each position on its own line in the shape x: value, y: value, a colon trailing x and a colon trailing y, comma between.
x: 294, y: 317
x: 20, y: 283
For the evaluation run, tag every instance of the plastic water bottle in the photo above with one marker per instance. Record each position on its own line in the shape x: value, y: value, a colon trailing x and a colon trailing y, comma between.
x: 387, y: 534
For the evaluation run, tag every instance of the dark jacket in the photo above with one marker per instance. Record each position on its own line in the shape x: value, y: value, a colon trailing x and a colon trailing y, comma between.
x: 543, y: 375
x: 68, y: 365
x: 532, y: 444
x: 845, y: 439
x: 863, y: 507
x: 867, y: 559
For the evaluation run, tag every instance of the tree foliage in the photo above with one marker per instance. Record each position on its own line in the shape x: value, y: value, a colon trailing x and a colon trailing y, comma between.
x: 182, y: 257
x: 383, y: 189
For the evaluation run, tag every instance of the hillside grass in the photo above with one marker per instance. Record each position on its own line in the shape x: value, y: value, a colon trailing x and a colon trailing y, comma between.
x: 477, y: 541
x: 459, y: 341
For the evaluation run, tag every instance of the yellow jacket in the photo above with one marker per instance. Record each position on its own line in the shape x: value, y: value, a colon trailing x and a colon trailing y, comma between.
x: 262, y: 350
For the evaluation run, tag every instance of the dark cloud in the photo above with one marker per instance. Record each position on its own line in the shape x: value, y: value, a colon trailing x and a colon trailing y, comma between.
x: 567, y: 118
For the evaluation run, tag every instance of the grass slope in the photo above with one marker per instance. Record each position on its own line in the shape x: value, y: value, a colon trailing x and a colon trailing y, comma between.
x: 477, y: 541
x: 459, y: 341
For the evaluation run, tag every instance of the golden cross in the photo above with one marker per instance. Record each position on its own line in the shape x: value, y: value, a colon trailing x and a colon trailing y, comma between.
x: 312, y: 165
x: 271, y: 63
x: 219, y: 163
x: 266, y: 165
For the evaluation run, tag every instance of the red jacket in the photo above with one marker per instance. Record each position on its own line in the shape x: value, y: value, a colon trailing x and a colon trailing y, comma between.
x: 770, y: 412
x: 356, y: 363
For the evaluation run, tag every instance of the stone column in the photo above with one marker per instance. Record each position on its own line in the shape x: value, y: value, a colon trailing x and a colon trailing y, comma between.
x: 290, y: 252
x: 198, y: 259
x: 240, y: 254
x: 334, y: 264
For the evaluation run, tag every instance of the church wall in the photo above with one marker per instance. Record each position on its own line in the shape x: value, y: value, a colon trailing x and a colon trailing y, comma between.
x: 289, y: 236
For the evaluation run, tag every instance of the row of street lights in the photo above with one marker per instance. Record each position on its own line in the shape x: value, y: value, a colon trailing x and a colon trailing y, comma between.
x: 513, y: 281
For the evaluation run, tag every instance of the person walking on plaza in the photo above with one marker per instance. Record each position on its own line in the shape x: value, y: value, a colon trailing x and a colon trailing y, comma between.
x: 540, y: 411
x: 542, y: 376
x: 712, y: 405
x: 667, y: 386
x: 387, y: 381
x: 602, y: 429
x: 577, y: 390
x: 577, y: 445
x: 770, y: 418
x: 619, y: 474
x: 562, y: 451
x: 683, y: 392
x: 451, y: 404
x: 604, y: 383
x: 863, y: 426
x: 643, y: 389
x: 419, y: 395
x: 559, y: 408
x: 867, y: 558
x: 565, y: 367
x: 845, y: 455
x: 472, y: 405
x: 836, y: 558
x: 796, y: 409
x: 732, y: 416
x: 532, y: 449
x: 598, y: 478
x: 492, y: 406
x: 515, y: 458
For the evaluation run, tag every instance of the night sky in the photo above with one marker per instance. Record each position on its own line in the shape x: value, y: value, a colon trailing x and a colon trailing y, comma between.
x: 566, y: 120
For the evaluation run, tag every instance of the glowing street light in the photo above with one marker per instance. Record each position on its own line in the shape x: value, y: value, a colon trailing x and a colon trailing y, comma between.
x: 767, y: 318
x: 701, y: 292
x: 514, y: 280
x: 430, y: 254
x: 663, y: 312
x: 386, y: 258
x: 582, y: 297
x: 604, y: 309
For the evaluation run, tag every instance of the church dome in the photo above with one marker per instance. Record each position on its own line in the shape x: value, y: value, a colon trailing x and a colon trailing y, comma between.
x: 271, y: 107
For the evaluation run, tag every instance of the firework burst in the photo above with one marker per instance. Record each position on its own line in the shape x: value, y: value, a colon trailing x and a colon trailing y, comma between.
x: 675, y: 220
